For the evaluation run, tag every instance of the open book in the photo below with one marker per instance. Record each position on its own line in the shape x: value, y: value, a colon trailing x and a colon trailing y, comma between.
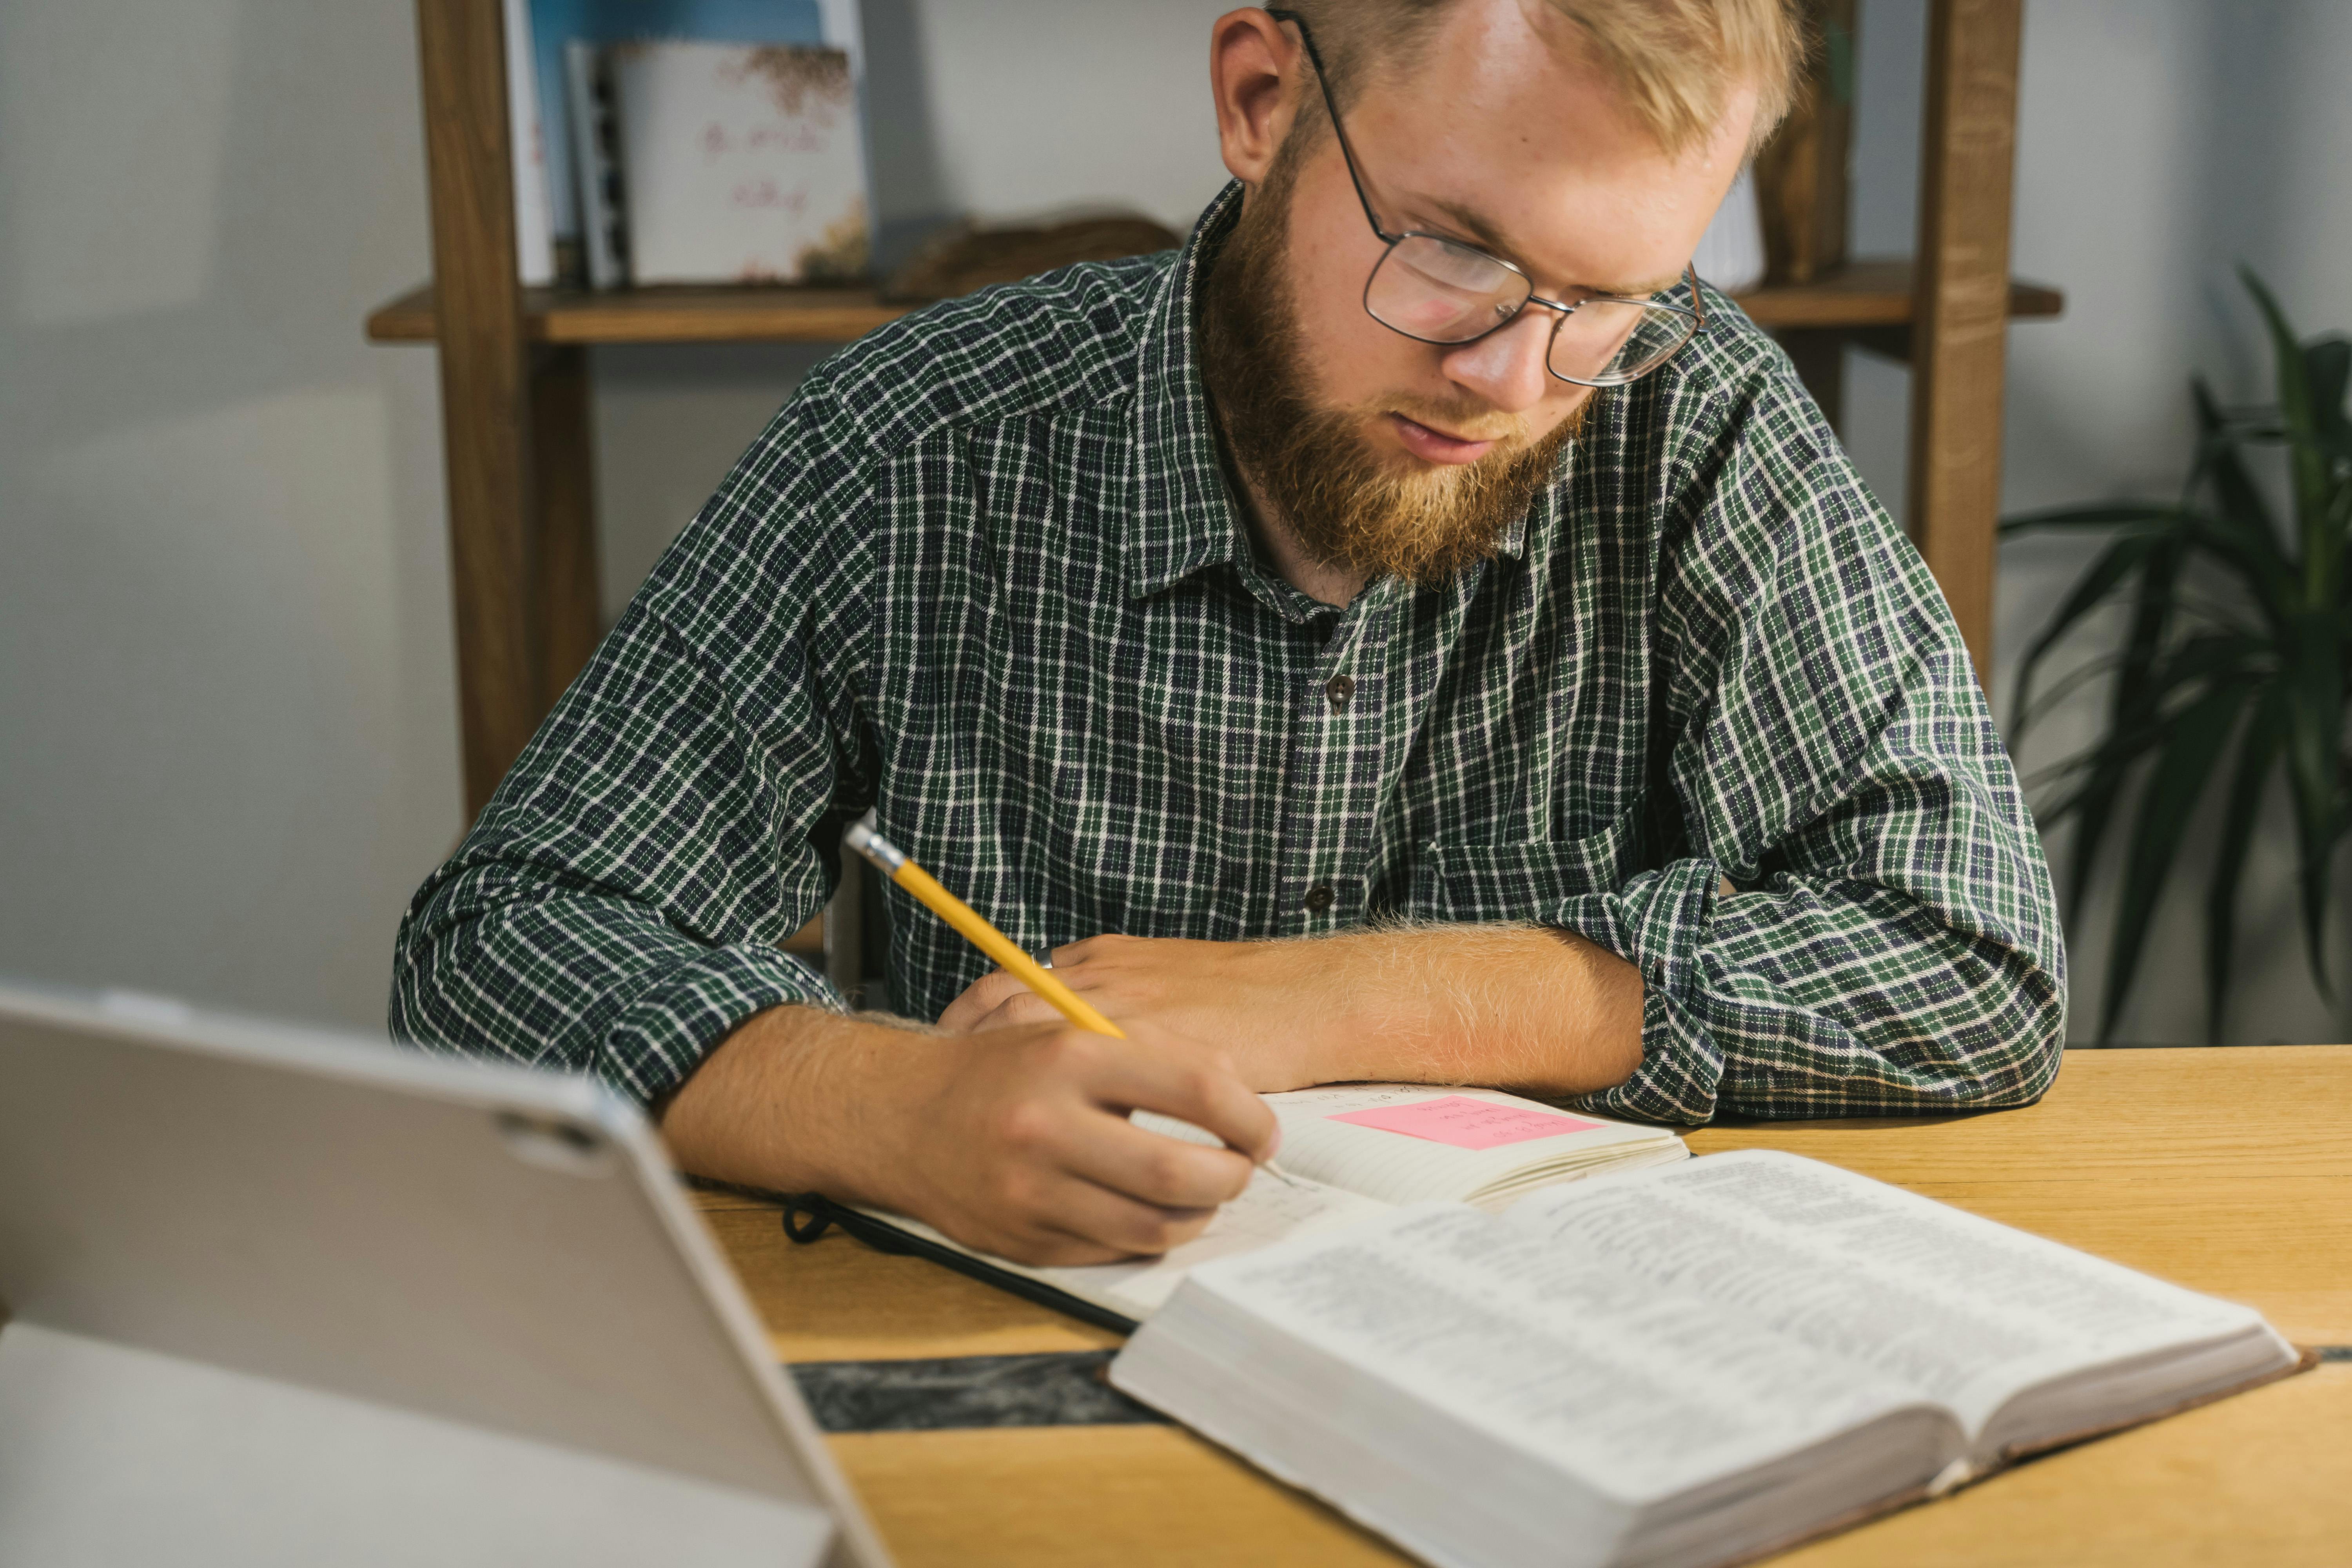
x: 1353, y: 1151
x: 1679, y: 1366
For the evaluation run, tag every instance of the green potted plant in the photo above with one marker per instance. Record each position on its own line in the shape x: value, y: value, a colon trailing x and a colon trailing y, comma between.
x: 2238, y: 652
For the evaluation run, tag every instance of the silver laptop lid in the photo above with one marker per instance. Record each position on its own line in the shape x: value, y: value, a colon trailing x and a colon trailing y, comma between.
x: 505, y: 1249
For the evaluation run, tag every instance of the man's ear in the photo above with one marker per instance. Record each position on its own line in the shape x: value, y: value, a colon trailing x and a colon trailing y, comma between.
x: 1253, y: 62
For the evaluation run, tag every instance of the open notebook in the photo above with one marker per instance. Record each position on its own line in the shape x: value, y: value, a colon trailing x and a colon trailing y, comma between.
x: 1353, y: 1150
x: 1679, y: 1366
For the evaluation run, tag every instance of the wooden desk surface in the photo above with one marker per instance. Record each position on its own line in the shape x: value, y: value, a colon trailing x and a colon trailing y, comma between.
x: 2228, y: 1170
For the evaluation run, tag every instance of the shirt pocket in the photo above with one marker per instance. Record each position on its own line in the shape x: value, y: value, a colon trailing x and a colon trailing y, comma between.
x: 1458, y: 881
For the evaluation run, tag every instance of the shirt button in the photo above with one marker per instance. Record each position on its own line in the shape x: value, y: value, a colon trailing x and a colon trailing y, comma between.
x: 1320, y: 897
x: 1338, y: 688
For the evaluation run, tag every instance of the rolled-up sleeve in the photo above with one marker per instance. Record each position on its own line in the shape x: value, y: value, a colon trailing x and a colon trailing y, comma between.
x: 1891, y: 944
x: 618, y: 906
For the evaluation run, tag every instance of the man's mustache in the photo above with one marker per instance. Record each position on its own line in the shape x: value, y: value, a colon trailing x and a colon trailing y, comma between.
x: 1464, y: 421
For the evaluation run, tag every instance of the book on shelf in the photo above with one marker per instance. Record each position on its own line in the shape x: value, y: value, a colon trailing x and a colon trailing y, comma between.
x: 1686, y: 1366
x: 534, y: 245
x: 601, y: 236
x: 552, y: 80
x: 1351, y: 1151
x: 739, y: 164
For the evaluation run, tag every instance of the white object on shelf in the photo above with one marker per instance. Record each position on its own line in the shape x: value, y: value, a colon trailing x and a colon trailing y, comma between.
x: 534, y: 236
x: 742, y: 164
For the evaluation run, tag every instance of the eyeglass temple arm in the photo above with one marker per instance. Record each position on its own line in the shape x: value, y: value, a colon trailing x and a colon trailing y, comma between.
x: 1348, y: 150
x: 1331, y: 107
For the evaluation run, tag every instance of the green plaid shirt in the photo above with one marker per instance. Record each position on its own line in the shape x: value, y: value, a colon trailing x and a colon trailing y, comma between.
x: 983, y: 572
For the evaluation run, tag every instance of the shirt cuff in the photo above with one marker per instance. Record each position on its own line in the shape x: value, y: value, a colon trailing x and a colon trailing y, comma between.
x: 1657, y: 922
x: 663, y: 1036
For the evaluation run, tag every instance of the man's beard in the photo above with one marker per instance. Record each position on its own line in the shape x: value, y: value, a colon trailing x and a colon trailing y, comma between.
x: 1349, y: 506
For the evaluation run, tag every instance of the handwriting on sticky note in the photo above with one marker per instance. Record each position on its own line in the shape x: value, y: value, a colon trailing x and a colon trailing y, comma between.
x: 1466, y: 1123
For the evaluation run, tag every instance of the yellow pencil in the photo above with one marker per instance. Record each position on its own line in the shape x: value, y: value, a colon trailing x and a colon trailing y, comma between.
x: 893, y: 863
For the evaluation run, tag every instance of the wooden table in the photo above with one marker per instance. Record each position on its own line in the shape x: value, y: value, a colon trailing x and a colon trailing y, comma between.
x: 2226, y: 1171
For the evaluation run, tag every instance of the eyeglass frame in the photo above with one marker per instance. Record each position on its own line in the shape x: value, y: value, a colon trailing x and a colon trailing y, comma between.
x: 1695, y: 311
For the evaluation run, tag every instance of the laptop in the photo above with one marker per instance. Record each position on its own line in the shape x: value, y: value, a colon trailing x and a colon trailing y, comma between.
x: 271, y: 1296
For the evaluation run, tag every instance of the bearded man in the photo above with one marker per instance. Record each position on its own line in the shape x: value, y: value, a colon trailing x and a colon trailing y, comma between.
x: 1417, y: 631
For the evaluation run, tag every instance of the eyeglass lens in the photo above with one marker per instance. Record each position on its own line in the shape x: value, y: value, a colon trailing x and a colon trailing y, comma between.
x: 1443, y: 293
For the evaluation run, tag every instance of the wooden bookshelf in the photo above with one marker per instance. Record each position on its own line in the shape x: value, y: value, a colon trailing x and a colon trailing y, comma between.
x: 516, y: 391
x: 1867, y: 294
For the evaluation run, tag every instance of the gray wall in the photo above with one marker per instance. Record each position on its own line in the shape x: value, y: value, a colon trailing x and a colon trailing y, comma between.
x: 226, y: 748
x: 226, y: 717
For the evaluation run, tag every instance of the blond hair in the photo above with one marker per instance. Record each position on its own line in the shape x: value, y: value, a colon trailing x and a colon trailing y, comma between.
x: 1678, y: 62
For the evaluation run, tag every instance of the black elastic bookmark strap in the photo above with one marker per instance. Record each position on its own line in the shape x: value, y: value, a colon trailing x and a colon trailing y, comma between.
x: 806, y: 1216
x: 883, y: 1236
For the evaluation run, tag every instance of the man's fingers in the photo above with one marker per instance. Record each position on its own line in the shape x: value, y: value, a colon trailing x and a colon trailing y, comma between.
x: 1121, y: 1225
x: 980, y: 998
x: 1024, y: 1006
x: 1057, y: 1219
x: 1154, y: 1168
x: 1088, y: 949
x: 1199, y: 1087
x: 981, y: 1006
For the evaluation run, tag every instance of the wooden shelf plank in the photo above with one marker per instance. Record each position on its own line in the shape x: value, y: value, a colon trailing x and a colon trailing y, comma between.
x: 663, y: 316
x: 1865, y: 294
x: 1876, y: 293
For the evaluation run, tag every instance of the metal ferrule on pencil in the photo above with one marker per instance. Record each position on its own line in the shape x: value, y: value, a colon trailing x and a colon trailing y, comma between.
x: 886, y: 856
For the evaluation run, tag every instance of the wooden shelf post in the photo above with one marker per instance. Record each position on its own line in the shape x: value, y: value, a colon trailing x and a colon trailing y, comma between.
x: 1960, y: 323
x: 485, y: 382
x: 515, y: 422
x: 570, y: 620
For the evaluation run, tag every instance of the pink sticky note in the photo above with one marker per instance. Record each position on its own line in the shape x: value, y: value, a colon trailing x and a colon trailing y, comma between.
x: 1466, y: 1123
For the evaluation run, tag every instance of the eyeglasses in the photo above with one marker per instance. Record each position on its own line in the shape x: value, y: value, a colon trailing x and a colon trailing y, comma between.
x: 1438, y: 290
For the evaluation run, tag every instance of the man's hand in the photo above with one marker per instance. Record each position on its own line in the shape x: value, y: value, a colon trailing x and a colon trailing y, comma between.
x: 1512, y: 1006
x: 1259, y: 1001
x: 1016, y: 1142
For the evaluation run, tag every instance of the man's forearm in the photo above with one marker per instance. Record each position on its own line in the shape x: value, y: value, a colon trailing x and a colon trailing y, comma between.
x: 1520, y: 1006
x: 781, y: 1103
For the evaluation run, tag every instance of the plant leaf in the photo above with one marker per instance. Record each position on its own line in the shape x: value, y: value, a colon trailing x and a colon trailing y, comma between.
x: 2167, y: 803
x: 2065, y: 685
x: 2258, y: 751
x: 2102, y: 514
x: 2294, y: 401
x: 2133, y: 711
x: 2270, y: 579
x: 2327, y: 365
x: 2117, y: 562
x: 2245, y: 519
x: 2313, y: 678
x: 2307, y: 461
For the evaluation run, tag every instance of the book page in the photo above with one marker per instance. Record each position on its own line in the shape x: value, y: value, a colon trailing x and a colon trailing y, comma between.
x: 1640, y: 1390
x: 1964, y: 1310
x: 1268, y: 1210
x: 1423, y: 1143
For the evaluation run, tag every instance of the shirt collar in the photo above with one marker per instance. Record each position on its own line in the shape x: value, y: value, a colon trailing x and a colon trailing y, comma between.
x: 1185, y: 519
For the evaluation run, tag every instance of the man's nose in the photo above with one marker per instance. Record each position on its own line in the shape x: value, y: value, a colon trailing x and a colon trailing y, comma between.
x: 1505, y: 368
